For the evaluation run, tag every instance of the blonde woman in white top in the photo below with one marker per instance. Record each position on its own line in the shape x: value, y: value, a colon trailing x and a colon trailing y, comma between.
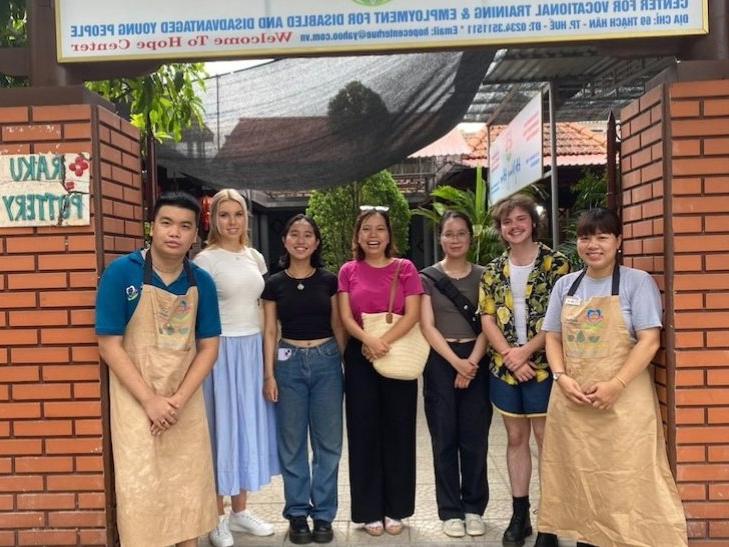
x: 241, y: 421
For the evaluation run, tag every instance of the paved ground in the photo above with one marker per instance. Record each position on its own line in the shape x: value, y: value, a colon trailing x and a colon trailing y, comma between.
x: 423, y: 528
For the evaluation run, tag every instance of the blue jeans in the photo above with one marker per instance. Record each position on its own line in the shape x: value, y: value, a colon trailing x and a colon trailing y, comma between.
x: 310, y: 387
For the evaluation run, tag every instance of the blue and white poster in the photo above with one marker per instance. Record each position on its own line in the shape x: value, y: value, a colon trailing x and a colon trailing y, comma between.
x: 515, y: 156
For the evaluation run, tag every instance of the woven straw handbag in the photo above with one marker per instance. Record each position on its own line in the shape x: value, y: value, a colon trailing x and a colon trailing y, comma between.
x: 408, y: 354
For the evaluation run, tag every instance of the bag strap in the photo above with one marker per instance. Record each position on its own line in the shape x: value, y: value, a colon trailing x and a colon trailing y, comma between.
x: 393, y: 289
x: 450, y: 291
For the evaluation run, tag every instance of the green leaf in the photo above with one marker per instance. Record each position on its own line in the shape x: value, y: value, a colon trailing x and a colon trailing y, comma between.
x: 169, y: 97
x: 439, y: 209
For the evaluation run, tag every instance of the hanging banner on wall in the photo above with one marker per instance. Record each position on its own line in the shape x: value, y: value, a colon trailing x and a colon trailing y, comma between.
x: 515, y: 156
x: 44, y: 190
x: 89, y: 30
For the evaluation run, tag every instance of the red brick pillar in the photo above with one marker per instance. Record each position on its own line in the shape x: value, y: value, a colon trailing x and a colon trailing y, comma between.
x: 55, y: 474
x: 675, y: 171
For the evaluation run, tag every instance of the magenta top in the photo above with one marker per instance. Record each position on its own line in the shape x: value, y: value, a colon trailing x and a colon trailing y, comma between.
x: 369, y: 287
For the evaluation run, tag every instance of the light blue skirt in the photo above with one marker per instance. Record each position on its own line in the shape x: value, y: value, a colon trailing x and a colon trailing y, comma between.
x: 242, y: 423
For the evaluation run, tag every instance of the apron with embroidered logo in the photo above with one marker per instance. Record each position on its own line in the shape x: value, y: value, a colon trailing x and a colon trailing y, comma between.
x: 604, y: 473
x: 165, y: 487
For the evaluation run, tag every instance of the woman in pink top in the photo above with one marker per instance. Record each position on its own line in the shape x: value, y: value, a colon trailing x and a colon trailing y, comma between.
x: 380, y: 411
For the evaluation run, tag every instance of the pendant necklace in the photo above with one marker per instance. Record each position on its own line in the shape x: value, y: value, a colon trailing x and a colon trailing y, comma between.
x: 300, y: 285
x: 460, y: 275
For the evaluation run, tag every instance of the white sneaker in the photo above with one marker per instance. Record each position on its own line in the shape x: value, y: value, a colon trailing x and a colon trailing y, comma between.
x: 220, y: 535
x: 245, y: 521
x: 475, y: 525
x: 454, y: 528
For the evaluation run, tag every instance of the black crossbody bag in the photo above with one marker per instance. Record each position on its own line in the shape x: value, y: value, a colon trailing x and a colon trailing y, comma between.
x: 449, y: 290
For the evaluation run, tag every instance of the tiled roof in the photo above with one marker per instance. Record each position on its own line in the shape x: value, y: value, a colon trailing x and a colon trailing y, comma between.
x: 279, y: 135
x: 577, y: 144
x: 452, y: 143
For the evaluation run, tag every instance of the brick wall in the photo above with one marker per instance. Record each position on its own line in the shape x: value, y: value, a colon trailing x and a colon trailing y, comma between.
x: 688, y: 123
x: 54, y: 459
x: 641, y: 167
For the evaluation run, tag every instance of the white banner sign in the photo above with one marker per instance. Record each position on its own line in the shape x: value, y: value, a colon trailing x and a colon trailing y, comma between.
x: 515, y: 156
x: 89, y: 30
x: 44, y: 190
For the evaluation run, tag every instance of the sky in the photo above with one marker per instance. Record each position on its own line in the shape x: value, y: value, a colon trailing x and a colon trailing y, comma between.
x: 221, y: 67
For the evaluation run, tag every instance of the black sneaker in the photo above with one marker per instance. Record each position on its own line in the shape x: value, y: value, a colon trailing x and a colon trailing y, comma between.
x: 520, y: 527
x: 323, y: 532
x: 546, y: 540
x: 299, y: 531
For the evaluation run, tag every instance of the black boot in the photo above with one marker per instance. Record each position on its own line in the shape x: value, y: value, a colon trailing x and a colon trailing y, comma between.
x: 299, y: 532
x: 546, y: 540
x: 583, y: 544
x: 519, y: 528
x: 323, y: 532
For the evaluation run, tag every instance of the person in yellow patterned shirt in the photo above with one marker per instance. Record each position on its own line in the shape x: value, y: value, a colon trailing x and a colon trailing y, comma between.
x: 513, y: 297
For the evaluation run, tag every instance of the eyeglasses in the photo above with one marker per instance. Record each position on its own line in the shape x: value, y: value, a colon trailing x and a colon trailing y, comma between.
x: 378, y: 208
x: 456, y: 235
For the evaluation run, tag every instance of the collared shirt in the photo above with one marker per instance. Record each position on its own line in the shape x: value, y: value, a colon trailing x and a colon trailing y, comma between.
x: 496, y: 298
x: 120, y: 289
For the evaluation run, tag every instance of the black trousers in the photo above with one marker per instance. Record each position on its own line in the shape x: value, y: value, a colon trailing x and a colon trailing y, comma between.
x: 459, y: 421
x: 381, y: 437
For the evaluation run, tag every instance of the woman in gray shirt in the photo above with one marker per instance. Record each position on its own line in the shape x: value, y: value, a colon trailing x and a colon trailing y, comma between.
x: 455, y: 386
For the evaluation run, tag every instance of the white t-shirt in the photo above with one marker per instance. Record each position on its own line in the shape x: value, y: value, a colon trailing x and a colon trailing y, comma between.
x: 518, y: 279
x: 239, y: 282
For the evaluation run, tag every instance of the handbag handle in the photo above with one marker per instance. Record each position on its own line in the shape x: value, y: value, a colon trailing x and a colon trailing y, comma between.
x: 393, y: 289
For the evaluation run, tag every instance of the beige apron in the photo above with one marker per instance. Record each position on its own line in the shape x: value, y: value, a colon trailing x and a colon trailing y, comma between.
x: 604, y: 474
x: 164, y: 485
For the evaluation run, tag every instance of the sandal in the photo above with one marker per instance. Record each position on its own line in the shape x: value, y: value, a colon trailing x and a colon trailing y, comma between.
x: 393, y: 526
x: 374, y: 528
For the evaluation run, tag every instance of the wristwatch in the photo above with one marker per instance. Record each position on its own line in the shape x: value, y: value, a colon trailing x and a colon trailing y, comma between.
x: 556, y: 375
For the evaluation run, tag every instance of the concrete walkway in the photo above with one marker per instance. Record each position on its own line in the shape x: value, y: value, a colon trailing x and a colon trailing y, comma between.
x: 424, y: 527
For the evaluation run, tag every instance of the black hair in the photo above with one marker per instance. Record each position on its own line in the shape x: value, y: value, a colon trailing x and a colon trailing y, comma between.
x: 599, y: 220
x: 357, y: 252
x: 315, y: 259
x: 451, y: 214
x: 182, y: 200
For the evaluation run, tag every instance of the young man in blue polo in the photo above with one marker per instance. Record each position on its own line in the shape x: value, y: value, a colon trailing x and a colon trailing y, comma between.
x: 158, y: 324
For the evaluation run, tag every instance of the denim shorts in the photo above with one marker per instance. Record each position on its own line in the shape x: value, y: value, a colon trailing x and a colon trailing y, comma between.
x: 523, y: 400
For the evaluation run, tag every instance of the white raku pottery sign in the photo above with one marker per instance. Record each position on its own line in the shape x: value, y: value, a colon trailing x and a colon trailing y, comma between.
x: 44, y: 190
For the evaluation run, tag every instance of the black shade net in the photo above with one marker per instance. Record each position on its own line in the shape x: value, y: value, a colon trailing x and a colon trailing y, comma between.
x: 318, y: 122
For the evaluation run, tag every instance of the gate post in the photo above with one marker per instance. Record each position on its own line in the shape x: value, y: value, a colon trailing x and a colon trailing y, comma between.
x: 55, y: 459
x: 675, y: 183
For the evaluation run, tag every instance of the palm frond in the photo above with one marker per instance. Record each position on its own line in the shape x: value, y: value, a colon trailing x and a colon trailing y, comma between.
x: 486, y: 242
